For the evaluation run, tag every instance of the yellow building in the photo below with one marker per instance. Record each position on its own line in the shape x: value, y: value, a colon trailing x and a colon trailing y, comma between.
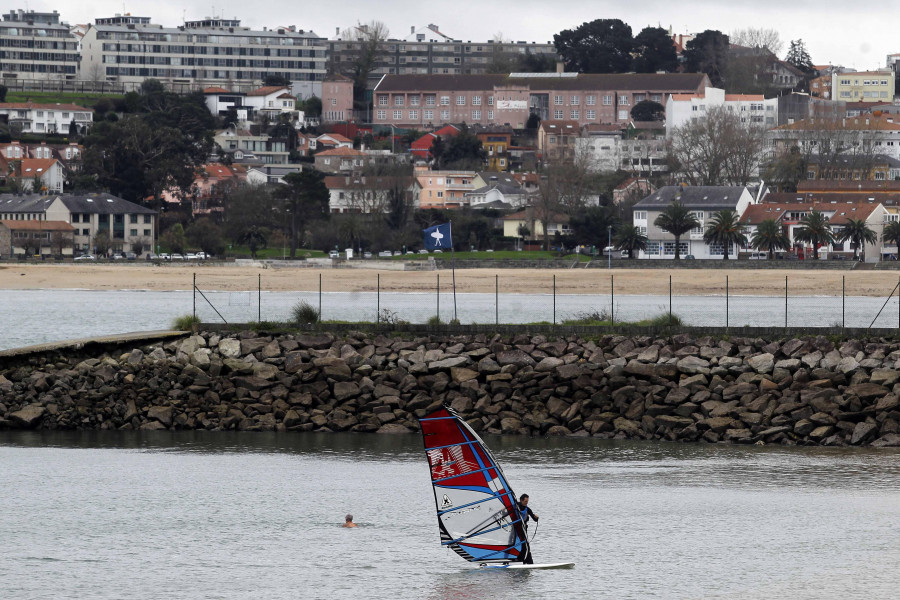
x: 864, y: 86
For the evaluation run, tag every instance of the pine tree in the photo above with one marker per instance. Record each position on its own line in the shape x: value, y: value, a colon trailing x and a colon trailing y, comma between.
x: 798, y: 57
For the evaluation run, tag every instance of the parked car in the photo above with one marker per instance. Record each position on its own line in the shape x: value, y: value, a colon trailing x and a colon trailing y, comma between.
x: 438, y: 251
x: 165, y: 256
x: 203, y: 256
x: 423, y: 251
x: 85, y: 257
x: 177, y: 257
x: 191, y: 256
x: 367, y: 255
x: 758, y: 256
x: 118, y: 256
x: 689, y: 257
x: 152, y: 256
x: 385, y: 254
x: 130, y: 256
x: 334, y: 254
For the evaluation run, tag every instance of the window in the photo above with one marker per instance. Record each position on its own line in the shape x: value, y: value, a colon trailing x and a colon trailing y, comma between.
x: 445, y: 115
x: 428, y: 115
x: 414, y: 114
x: 132, y: 218
x: 148, y: 219
x: 490, y: 115
x: 476, y: 100
x: 557, y: 100
x: 717, y: 249
x: 640, y: 215
x: 652, y: 249
x: 476, y: 115
x: 656, y: 97
x: 639, y: 98
x: 414, y: 101
x: 669, y: 248
x: 607, y: 100
x: 85, y: 232
x: 623, y: 115
x: 460, y: 100
x: 623, y: 100
x: 490, y: 100
x: 429, y: 100
x: 575, y: 101
x: 382, y: 100
x: 590, y: 114
x: 132, y: 232
x: 398, y: 100
x: 575, y: 115
x: 445, y: 100
x: 591, y: 100
x: 381, y: 115
x: 398, y: 114
x: 557, y: 114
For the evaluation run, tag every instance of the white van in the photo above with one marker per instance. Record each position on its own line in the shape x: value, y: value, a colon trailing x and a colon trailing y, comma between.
x: 611, y: 251
x: 759, y: 256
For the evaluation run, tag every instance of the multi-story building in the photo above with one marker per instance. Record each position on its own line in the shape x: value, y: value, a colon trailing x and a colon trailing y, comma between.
x: 424, y: 101
x: 753, y: 108
x: 863, y: 86
x: 428, y: 51
x: 607, y: 148
x: 200, y: 53
x: 496, y: 142
x: 703, y: 202
x: 36, y: 46
x: 337, y: 99
x: 369, y: 194
x: 253, y: 147
x: 128, y: 226
x: 861, y: 137
x: 444, y: 189
x: 29, y: 117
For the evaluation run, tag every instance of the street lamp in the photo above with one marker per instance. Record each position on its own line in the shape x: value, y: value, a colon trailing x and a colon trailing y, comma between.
x: 609, y: 247
x: 392, y: 137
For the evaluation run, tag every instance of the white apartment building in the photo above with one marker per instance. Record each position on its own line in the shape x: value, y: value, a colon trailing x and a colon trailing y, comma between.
x: 753, y: 108
x: 30, y: 117
x: 36, y: 46
x: 608, y: 150
x: 205, y: 53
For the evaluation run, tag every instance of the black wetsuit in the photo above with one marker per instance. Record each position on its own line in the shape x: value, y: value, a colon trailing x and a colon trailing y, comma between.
x: 526, y: 512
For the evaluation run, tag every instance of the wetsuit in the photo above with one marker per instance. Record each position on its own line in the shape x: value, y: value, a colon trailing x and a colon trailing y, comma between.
x: 526, y: 512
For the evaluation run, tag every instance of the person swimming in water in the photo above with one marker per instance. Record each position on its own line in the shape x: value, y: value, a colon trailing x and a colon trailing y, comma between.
x: 348, y: 522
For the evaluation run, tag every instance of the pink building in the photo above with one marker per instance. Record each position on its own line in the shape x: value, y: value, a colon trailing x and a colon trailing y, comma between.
x: 337, y: 99
x: 444, y: 189
x: 424, y: 101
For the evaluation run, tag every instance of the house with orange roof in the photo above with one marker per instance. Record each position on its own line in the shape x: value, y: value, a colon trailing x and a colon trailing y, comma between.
x: 219, y: 101
x: 788, y: 210
x: 754, y: 109
x: 31, y: 117
x: 48, y: 171
x: 36, y: 237
x: 271, y: 100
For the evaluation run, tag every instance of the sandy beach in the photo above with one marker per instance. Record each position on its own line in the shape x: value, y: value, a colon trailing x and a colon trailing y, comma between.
x: 522, y: 281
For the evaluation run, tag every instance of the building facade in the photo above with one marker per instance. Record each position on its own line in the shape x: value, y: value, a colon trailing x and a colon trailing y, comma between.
x: 202, y: 53
x: 754, y: 109
x: 30, y: 117
x: 36, y: 46
x: 863, y: 86
x: 425, y: 101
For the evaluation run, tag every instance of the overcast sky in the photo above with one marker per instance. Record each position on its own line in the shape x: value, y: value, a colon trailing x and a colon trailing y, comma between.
x: 822, y: 24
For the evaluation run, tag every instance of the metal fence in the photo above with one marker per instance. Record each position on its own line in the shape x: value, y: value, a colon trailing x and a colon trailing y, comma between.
x: 726, y: 301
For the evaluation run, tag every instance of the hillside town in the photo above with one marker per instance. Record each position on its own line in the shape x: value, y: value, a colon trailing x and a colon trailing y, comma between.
x: 132, y: 139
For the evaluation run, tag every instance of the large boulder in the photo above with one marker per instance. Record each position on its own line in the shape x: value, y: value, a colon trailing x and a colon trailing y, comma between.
x: 28, y: 417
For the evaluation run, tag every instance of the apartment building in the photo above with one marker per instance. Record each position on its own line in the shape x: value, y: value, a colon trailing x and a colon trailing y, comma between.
x: 444, y: 189
x: 250, y: 146
x: 863, y: 86
x: 426, y: 101
x: 859, y: 137
x: 428, y: 51
x: 607, y: 148
x: 30, y: 117
x: 753, y: 108
x: 36, y: 46
x: 130, y: 227
x: 205, y: 53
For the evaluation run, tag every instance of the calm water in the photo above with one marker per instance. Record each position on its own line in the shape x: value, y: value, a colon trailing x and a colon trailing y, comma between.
x: 104, y: 515
x: 37, y: 316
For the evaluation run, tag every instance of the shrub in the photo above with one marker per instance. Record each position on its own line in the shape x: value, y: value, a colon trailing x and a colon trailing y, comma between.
x: 590, y: 317
x: 185, y: 323
x: 434, y: 321
x: 666, y: 320
x: 304, y: 313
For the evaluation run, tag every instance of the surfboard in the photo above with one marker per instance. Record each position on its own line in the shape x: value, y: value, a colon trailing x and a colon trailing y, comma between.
x: 561, y: 565
x: 478, y: 515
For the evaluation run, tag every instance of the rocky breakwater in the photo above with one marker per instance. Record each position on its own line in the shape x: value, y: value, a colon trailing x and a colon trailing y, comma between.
x: 679, y: 388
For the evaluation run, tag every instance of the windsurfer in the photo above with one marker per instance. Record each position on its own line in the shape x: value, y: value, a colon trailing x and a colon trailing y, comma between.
x: 348, y: 521
x: 526, y: 512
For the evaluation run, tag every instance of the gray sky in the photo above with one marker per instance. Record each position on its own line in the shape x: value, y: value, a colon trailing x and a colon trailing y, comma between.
x: 821, y: 24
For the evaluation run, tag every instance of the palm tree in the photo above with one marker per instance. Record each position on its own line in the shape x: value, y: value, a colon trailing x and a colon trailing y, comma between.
x: 725, y: 228
x: 891, y: 233
x: 770, y: 236
x: 630, y: 238
x: 859, y: 234
x: 677, y: 220
x: 815, y: 229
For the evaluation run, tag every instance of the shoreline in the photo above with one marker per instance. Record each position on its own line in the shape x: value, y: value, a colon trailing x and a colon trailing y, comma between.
x: 625, y: 282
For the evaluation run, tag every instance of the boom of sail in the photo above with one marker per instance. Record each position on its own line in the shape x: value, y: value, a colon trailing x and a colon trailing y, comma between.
x: 478, y: 516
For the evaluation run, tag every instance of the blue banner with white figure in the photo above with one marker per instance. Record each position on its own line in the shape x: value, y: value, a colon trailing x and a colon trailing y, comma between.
x: 438, y: 237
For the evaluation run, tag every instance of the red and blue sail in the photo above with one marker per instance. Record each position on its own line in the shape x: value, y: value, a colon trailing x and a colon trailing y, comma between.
x: 477, y: 511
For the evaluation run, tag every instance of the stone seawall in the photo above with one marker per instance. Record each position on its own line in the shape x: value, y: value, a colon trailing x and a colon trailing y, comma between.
x: 680, y: 388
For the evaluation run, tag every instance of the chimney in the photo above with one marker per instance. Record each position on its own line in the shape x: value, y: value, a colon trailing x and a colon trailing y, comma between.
x: 412, y: 28
x: 560, y: 67
x: 337, y: 32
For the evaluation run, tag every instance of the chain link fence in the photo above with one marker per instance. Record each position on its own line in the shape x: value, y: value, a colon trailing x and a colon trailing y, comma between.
x: 728, y: 301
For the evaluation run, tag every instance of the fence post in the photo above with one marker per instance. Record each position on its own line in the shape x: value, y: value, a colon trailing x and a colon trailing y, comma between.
x: 554, y: 299
x: 496, y: 299
x: 785, y: 301
x: 670, y: 299
x: 726, y: 302
x: 378, y: 299
x: 259, y: 299
x: 612, y: 300
x: 439, y: 297
x: 194, y: 294
x: 320, y: 296
x: 843, y: 302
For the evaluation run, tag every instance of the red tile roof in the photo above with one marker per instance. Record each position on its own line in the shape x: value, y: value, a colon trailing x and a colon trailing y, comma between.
x: 341, y: 151
x: 267, y: 89
x: 37, y: 106
x: 37, y: 225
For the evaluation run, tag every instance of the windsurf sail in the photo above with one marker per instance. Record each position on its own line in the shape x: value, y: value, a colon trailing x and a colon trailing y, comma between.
x: 477, y: 511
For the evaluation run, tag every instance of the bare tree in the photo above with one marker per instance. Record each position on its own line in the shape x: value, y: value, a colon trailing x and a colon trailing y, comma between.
x: 565, y: 187
x: 365, y: 50
x: 720, y: 148
x: 60, y: 240
x: 757, y: 37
